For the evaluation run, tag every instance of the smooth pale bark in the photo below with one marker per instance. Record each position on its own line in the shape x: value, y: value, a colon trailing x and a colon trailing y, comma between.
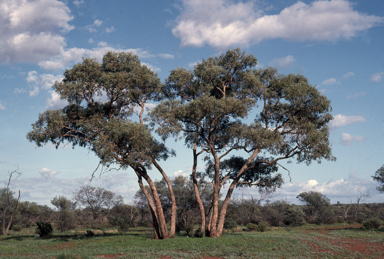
x: 231, y: 188
x: 196, y: 189
x: 173, y: 199
x: 151, y: 207
x: 215, y: 199
x: 159, y: 208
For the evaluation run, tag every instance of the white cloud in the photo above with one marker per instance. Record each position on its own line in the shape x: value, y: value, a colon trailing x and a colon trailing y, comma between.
x: 44, y: 81
x: 348, y: 75
x: 180, y: 172
x: 108, y: 30
x: 352, y: 96
x: 55, y: 102
x: 151, y: 67
x: 75, y: 55
x: 222, y: 23
x: 78, y: 3
x: 90, y: 40
x: 193, y: 64
x: 347, y: 139
x: 34, y: 92
x: 2, y: 107
x: 343, y: 190
x: 377, y: 77
x: 46, y: 185
x: 31, y: 31
x: 330, y: 81
x: 342, y: 120
x: 47, y: 173
x: 284, y: 62
x: 166, y: 56
x: 92, y: 28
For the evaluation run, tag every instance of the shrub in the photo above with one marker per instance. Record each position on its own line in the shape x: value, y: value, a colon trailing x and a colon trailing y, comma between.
x: 230, y: 223
x: 252, y: 227
x: 66, y: 220
x: 372, y: 223
x: 44, y: 228
x: 294, y: 216
x: 100, y: 226
x: 17, y: 228
x: 90, y: 233
x: 122, y: 223
x: 326, y: 216
x: 198, y: 232
x: 262, y: 226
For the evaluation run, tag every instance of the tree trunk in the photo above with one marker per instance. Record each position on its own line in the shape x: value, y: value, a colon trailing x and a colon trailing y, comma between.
x: 173, y: 199
x: 215, y: 199
x: 223, y: 211
x: 151, y: 207
x: 159, y: 208
x: 197, y: 193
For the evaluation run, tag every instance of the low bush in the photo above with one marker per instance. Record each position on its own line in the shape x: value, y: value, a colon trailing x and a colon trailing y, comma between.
x: 17, y: 228
x: 252, y: 227
x: 372, y: 223
x: 262, y: 226
x: 230, y: 223
x: 44, y: 228
x: 294, y: 216
x: 122, y: 223
x: 198, y: 232
x: 90, y: 233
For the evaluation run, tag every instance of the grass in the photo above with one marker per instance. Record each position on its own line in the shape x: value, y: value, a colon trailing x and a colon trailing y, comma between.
x: 302, y: 242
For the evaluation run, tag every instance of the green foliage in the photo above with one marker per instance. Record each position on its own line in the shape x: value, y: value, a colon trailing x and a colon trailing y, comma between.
x: 199, y: 233
x: 252, y: 227
x: 262, y: 226
x: 294, y: 216
x: 229, y: 223
x: 379, y: 177
x: 315, y: 204
x: 326, y: 216
x: 90, y: 233
x: 44, y: 228
x: 372, y: 223
x: 17, y: 228
x: 122, y: 223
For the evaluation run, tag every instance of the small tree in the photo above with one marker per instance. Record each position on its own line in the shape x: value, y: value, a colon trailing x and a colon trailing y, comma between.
x: 65, y: 219
x: 379, y: 176
x: 9, y: 205
x: 315, y: 202
x: 96, y: 198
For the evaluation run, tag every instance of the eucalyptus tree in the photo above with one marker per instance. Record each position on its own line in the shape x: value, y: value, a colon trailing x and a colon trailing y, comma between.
x: 101, y: 100
x: 209, y: 108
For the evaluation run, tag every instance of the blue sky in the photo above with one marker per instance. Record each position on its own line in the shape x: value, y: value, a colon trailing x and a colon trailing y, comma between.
x: 337, y: 45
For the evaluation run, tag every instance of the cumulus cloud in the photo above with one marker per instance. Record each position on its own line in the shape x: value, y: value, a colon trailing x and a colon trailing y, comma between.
x: 108, y: 30
x: 31, y: 31
x: 343, y: 190
x: 47, y: 173
x: 92, y: 27
x: 284, y: 62
x: 75, y: 55
x: 166, y: 56
x: 180, y: 172
x: 352, y: 96
x: 55, y: 102
x: 2, y: 107
x: 342, y: 120
x: 377, y: 77
x: 348, y: 75
x: 47, y: 184
x: 78, y: 3
x: 330, y: 81
x: 44, y: 81
x: 224, y: 23
x: 347, y: 139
